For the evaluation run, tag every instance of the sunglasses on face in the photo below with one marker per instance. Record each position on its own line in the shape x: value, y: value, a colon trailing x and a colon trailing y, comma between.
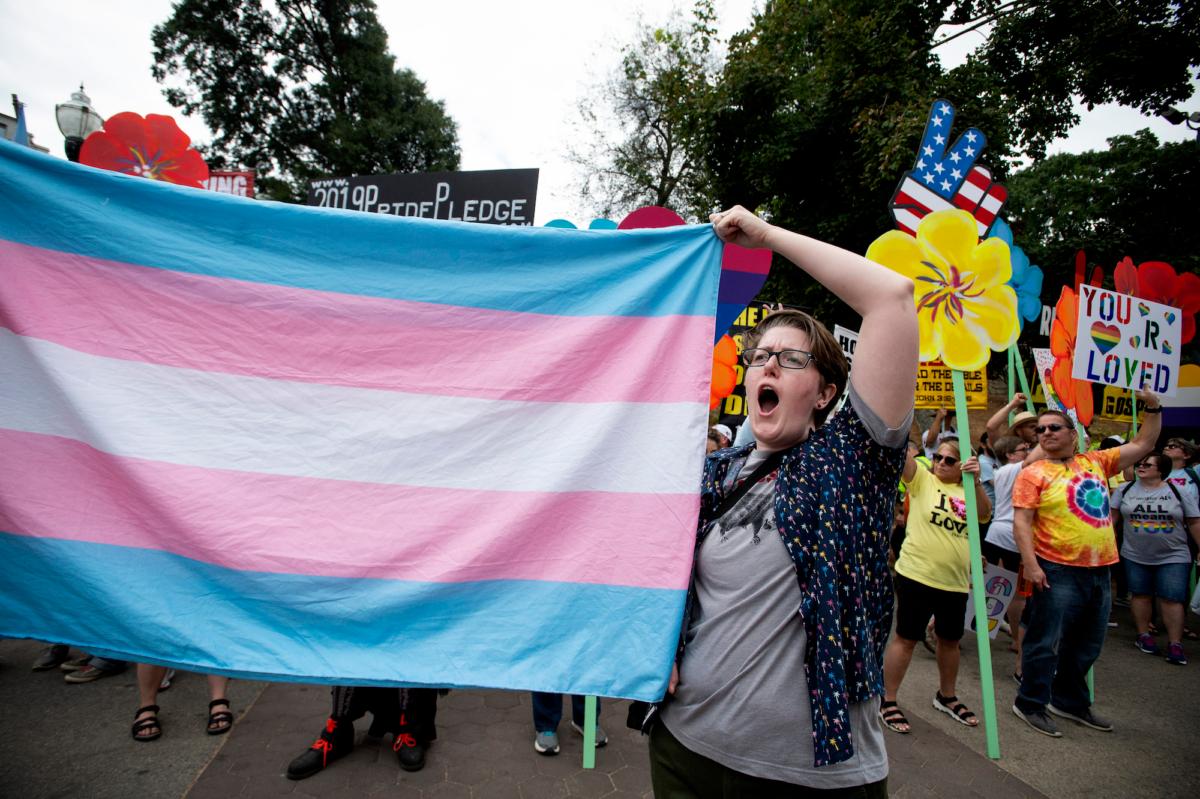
x: 1174, y: 444
x: 1144, y: 465
x: 949, y: 460
x: 1049, y: 428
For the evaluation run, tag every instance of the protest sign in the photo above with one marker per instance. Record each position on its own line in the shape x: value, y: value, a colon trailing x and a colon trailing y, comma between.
x: 492, y: 196
x: 1117, y: 404
x: 1125, y: 341
x: 935, y: 389
x: 847, y: 339
x: 1044, y: 361
x: 999, y: 586
x: 239, y: 184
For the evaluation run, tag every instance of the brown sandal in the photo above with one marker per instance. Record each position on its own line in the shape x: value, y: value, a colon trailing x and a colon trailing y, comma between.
x: 219, y: 721
x: 149, y: 728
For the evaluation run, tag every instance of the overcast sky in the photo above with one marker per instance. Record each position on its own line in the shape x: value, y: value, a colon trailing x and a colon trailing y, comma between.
x: 511, y: 74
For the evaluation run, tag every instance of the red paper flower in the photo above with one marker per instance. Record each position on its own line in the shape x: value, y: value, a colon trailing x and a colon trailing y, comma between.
x: 153, y: 148
x: 1158, y: 282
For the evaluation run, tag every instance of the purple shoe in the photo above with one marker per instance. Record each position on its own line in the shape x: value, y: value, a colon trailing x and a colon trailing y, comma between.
x: 1175, y: 655
x: 1145, y: 642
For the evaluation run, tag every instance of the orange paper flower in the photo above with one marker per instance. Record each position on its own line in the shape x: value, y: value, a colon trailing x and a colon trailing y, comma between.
x: 1074, y: 394
x: 724, y: 375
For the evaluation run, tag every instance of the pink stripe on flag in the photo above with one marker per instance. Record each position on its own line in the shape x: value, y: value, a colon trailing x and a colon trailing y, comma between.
x: 52, y: 487
x: 220, y: 325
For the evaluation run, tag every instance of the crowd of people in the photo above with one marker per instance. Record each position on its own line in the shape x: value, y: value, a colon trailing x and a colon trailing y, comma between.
x: 815, y: 536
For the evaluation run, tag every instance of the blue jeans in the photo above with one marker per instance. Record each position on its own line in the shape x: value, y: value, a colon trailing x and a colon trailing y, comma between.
x: 548, y: 711
x: 1063, y: 637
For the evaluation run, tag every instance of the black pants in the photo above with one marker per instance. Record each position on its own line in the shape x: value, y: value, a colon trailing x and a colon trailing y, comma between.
x: 677, y: 772
x: 394, y: 710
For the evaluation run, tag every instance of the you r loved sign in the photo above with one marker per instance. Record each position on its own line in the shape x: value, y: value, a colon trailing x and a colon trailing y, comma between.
x: 1127, y: 342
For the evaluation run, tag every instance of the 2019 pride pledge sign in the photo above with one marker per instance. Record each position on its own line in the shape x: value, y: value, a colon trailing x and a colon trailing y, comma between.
x: 278, y: 441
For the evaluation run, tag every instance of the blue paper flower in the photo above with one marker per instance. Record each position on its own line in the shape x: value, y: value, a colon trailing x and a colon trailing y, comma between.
x: 1026, y: 278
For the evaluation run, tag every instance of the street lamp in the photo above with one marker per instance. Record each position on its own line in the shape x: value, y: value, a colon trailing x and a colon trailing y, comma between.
x: 1175, y: 116
x: 77, y: 120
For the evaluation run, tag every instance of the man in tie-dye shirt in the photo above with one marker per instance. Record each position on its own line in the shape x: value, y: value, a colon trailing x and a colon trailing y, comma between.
x: 1063, y: 527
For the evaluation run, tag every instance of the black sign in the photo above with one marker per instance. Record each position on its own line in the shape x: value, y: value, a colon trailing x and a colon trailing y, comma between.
x: 493, y: 196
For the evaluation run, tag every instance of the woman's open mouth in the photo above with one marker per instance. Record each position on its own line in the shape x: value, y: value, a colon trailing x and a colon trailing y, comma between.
x: 767, y: 399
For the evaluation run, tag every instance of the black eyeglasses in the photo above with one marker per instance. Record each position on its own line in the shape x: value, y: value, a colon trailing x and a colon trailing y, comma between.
x: 1175, y: 444
x: 949, y: 460
x: 788, y: 359
x: 1022, y: 449
x: 1049, y: 428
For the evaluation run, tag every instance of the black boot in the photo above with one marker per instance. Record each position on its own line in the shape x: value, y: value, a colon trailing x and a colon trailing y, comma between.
x: 336, y: 740
x: 410, y: 752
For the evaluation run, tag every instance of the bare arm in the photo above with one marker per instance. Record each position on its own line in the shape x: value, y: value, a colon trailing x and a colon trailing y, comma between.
x: 1000, y: 418
x: 1023, y: 534
x: 1143, y: 443
x: 935, y: 429
x: 982, y: 503
x: 886, y: 355
x: 910, y: 467
x: 1193, y: 526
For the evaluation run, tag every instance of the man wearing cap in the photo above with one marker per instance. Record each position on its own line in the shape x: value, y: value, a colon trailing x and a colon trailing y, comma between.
x: 725, y: 433
x: 1023, y: 422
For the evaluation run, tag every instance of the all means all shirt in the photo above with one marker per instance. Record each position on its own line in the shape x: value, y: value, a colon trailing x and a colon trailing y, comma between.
x: 1154, y: 521
x: 1072, y: 524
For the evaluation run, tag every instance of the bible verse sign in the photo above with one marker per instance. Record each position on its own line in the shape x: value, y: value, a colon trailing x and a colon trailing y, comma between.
x: 1127, y: 342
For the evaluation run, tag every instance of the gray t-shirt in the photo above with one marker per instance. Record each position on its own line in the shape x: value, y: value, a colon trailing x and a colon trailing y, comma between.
x: 1153, y: 523
x: 742, y: 698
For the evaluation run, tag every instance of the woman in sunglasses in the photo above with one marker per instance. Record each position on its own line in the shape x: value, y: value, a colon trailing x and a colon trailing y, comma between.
x: 1157, y: 518
x: 932, y: 578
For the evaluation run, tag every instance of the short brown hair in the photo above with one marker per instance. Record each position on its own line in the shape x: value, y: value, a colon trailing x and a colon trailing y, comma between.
x: 827, y: 354
x: 1060, y: 414
x: 1005, y: 446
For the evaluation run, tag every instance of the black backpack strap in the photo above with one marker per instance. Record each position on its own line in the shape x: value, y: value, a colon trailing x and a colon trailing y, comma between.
x: 769, y: 464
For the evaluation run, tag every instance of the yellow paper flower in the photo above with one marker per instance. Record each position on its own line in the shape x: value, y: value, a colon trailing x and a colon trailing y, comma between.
x: 963, y: 305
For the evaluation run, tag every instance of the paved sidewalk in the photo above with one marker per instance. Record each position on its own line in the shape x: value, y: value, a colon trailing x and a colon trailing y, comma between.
x: 485, y: 751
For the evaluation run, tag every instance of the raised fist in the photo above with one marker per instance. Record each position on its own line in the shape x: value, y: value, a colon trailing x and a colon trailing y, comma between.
x: 947, y: 177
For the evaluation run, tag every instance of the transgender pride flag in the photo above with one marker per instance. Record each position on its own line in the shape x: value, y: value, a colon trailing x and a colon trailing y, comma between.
x: 302, y: 444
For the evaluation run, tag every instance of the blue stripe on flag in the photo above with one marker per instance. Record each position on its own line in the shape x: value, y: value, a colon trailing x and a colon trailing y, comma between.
x: 608, y: 640
x: 59, y: 205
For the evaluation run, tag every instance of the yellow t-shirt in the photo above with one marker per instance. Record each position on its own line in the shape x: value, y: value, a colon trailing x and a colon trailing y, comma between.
x: 936, y: 551
x: 1073, y: 523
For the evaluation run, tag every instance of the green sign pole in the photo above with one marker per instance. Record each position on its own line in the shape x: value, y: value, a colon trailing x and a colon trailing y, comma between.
x: 1133, y: 410
x: 589, y: 732
x: 1016, y: 355
x: 977, y: 587
x: 1012, y: 389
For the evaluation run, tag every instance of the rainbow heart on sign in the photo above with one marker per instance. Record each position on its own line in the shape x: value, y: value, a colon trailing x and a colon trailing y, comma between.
x: 1143, y: 309
x: 1105, y: 336
x: 1166, y: 348
x: 1170, y: 317
x: 1135, y: 341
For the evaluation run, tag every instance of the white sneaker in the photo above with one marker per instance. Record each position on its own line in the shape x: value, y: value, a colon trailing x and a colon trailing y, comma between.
x: 601, y: 737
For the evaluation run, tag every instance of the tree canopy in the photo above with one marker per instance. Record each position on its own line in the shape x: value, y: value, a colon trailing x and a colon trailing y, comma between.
x: 820, y: 104
x: 1136, y: 199
x: 306, y: 87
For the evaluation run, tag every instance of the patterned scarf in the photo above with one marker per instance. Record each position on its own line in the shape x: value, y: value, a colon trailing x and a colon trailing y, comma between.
x: 834, y: 500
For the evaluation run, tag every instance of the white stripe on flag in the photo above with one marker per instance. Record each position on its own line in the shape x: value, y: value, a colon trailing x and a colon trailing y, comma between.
x: 253, y: 424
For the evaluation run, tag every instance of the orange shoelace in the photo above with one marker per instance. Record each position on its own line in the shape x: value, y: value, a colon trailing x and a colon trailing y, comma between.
x: 323, y: 744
